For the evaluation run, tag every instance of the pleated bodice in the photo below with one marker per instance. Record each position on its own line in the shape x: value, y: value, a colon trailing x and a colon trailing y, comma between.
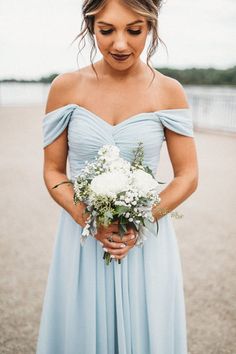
x: 87, y: 132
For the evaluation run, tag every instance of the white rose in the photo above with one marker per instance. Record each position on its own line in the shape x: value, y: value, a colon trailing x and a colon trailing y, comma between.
x: 110, y: 183
x: 144, y: 182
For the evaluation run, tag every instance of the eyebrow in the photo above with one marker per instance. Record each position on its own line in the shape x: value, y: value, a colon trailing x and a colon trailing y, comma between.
x: 110, y: 24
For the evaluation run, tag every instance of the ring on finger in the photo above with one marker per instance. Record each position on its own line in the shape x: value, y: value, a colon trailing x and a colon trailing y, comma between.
x: 110, y: 239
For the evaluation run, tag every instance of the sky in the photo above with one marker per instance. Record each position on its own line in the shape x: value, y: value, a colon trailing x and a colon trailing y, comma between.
x: 36, y: 36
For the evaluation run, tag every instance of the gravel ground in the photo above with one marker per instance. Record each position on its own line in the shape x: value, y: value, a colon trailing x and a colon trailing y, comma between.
x: 206, y: 236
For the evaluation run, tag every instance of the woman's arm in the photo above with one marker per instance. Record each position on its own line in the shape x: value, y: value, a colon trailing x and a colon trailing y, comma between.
x: 183, y: 157
x: 55, y: 157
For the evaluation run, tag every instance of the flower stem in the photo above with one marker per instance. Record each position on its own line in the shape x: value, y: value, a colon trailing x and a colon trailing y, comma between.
x: 108, y: 259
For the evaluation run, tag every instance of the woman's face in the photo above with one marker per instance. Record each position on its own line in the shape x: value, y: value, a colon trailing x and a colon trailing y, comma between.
x: 116, y: 33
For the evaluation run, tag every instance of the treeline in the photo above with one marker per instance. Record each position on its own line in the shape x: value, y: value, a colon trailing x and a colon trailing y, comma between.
x: 198, y: 76
x: 191, y: 76
x: 44, y: 79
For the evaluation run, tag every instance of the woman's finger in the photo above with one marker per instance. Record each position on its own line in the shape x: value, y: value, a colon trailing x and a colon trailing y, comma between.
x: 118, y: 245
x: 119, y: 239
x: 117, y: 251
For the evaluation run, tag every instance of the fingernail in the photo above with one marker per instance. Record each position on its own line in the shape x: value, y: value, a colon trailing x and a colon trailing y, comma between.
x: 105, y: 249
x: 112, y: 256
x: 122, y: 245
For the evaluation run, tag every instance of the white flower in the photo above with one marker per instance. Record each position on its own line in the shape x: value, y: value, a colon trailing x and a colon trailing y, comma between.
x: 109, y: 152
x: 144, y: 182
x: 119, y: 164
x: 109, y: 183
x: 85, y: 231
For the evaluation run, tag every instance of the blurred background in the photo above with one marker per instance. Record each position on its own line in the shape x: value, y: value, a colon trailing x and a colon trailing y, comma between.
x: 35, y: 44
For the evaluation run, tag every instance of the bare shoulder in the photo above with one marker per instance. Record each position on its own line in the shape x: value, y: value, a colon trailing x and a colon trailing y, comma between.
x: 61, y: 90
x: 173, y: 93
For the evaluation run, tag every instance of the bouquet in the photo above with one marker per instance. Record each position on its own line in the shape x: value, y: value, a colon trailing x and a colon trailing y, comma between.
x: 115, y: 189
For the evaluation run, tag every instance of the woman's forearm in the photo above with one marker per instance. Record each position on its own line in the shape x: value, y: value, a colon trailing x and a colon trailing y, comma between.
x: 179, y: 189
x: 63, y: 194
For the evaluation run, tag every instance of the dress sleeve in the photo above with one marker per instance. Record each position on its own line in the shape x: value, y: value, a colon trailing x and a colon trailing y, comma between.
x: 178, y: 120
x: 55, y: 122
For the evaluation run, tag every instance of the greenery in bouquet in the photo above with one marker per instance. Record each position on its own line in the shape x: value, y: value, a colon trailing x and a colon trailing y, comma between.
x: 115, y: 189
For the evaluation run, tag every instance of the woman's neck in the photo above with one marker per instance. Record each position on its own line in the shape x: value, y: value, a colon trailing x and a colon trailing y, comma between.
x: 105, y: 70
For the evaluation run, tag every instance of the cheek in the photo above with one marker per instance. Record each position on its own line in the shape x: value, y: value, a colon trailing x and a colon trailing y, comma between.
x: 139, y: 43
x: 102, y: 42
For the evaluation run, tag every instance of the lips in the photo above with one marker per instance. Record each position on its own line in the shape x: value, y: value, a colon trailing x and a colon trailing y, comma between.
x: 120, y: 56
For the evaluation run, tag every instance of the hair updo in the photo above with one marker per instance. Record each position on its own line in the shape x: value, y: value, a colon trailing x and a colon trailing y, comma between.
x: 149, y: 9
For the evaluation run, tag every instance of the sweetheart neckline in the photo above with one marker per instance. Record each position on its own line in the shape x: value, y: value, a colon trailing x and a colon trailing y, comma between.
x: 123, y: 121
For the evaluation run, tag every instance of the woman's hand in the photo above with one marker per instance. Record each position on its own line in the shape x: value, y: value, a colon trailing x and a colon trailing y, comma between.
x: 118, y: 248
x: 80, y: 215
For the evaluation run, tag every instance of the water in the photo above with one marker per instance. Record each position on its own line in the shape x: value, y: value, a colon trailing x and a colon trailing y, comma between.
x: 213, y: 107
x: 21, y: 94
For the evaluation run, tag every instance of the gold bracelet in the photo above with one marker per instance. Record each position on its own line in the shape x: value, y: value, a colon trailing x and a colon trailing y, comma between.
x: 162, y: 211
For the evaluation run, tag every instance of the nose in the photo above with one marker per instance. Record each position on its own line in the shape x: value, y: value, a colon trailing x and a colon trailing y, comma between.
x: 120, y: 42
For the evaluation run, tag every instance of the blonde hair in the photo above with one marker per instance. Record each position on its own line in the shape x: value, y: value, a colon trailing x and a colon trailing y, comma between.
x: 146, y: 8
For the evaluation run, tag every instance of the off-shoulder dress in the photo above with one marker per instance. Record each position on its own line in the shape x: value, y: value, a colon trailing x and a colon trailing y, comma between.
x: 136, y: 307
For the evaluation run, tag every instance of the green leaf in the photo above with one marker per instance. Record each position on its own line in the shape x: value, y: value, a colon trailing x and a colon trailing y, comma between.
x: 157, y: 226
x: 107, y: 257
x: 148, y: 170
x: 142, y: 221
x: 108, y: 214
x: 134, y: 226
x: 138, y: 155
x: 122, y: 229
x: 120, y: 209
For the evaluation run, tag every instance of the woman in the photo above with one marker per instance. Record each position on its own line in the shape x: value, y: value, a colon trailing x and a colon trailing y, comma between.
x: 136, y: 307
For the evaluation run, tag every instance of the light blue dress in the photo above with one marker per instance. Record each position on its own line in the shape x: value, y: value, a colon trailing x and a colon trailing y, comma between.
x: 136, y: 307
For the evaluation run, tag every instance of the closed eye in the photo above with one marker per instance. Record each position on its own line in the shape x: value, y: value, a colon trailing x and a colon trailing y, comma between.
x: 132, y: 32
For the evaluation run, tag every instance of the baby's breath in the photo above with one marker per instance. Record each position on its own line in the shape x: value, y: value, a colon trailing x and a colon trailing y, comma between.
x: 115, y: 189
